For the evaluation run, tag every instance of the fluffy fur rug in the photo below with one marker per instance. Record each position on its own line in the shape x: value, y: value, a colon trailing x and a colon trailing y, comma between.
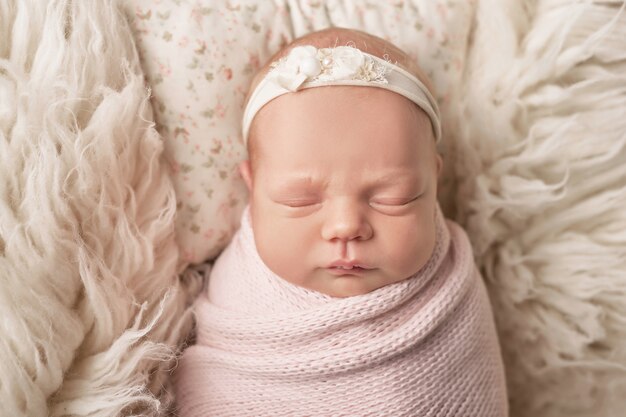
x: 540, y: 148
x: 91, y: 309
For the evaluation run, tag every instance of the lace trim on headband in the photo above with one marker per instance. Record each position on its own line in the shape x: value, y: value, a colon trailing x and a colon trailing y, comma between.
x: 309, y: 64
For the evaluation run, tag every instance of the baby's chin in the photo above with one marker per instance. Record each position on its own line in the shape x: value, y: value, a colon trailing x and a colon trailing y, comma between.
x: 349, y: 284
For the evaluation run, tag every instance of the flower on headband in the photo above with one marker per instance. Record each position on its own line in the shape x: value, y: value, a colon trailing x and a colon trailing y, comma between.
x: 307, y: 63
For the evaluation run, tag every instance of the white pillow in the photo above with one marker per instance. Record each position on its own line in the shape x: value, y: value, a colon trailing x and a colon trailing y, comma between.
x: 200, y: 58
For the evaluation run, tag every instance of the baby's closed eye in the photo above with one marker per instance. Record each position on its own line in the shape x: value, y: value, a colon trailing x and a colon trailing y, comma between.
x: 394, y: 201
x: 394, y: 205
x: 299, y: 202
x: 388, y: 200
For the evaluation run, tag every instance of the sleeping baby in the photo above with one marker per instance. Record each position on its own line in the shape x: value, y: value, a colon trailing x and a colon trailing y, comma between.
x: 345, y: 291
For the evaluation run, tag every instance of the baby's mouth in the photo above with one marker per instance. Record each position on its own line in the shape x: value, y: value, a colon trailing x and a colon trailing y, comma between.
x: 349, y: 267
x: 342, y: 267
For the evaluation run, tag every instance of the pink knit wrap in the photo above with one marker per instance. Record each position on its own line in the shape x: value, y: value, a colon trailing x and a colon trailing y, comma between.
x: 425, y: 346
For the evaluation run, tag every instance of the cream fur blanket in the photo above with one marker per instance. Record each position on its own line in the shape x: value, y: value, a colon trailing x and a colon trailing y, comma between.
x: 425, y: 346
x: 91, y: 310
x: 538, y: 150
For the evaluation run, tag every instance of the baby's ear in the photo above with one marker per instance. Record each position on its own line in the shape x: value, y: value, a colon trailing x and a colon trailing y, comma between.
x: 246, y: 173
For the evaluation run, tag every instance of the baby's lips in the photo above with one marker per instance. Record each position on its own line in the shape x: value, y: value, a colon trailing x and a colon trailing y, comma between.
x: 348, y: 264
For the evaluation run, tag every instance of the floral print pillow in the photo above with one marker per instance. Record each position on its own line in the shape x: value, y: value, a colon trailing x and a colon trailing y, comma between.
x: 200, y: 56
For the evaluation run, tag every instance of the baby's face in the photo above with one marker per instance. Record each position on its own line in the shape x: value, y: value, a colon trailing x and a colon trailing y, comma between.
x: 343, y: 175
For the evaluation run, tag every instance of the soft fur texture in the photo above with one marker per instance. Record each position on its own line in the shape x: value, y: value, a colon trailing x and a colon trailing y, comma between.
x: 539, y: 147
x: 90, y: 305
x: 425, y: 346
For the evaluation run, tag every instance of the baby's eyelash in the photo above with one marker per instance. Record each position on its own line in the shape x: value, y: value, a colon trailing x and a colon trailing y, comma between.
x: 396, y: 202
x: 299, y: 203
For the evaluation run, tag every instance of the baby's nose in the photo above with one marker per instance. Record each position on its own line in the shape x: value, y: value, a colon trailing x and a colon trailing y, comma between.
x: 345, y: 221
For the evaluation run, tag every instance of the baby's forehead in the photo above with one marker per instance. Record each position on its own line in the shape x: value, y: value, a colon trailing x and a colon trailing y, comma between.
x: 340, y: 118
x: 341, y: 104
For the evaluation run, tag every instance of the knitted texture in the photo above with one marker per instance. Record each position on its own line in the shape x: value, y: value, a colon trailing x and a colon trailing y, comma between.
x: 424, y: 346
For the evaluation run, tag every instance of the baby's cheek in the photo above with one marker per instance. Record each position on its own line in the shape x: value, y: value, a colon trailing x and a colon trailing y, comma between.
x: 412, y: 243
x: 282, y: 244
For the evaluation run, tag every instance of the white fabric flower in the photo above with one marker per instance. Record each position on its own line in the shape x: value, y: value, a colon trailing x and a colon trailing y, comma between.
x: 307, y: 63
x: 288, y: 70
x: 346, y: 62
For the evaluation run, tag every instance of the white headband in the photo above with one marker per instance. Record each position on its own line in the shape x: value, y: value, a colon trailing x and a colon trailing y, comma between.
x: 307, y: 67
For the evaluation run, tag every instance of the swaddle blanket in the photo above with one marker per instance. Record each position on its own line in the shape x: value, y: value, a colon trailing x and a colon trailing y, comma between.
x: 425, y: 346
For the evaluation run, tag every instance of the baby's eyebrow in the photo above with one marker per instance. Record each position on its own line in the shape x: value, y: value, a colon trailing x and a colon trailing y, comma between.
x: 395, y: 177
x: 298, y: 183
x: 303, y: 182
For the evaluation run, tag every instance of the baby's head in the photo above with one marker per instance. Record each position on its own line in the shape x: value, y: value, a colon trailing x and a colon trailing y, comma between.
x: 343, y: 176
